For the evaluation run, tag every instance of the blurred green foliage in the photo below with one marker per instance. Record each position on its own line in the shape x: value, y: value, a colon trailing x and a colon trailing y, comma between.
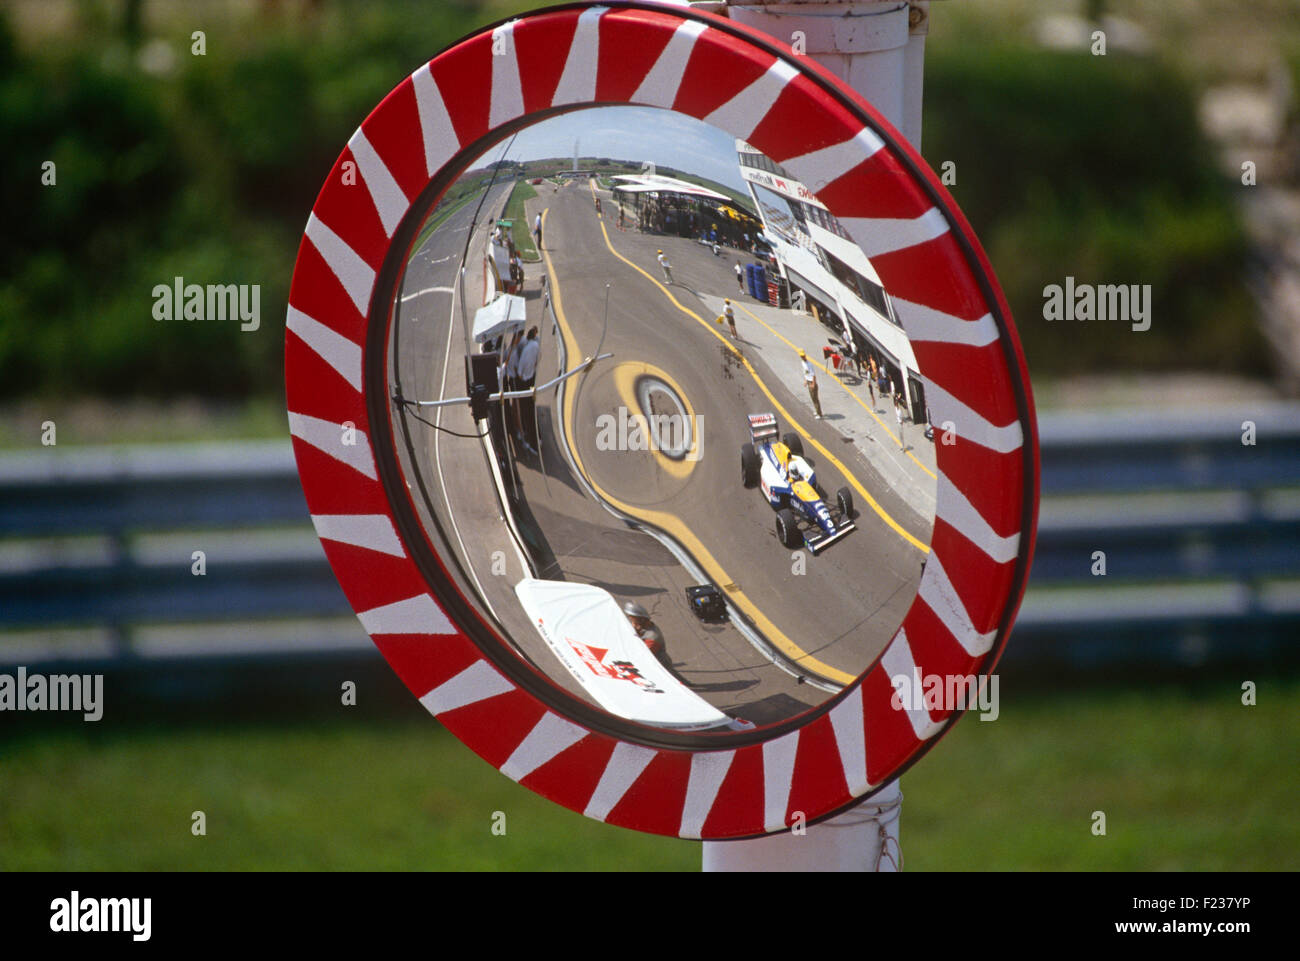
x: 206, y: 169
x: 1095, y: 167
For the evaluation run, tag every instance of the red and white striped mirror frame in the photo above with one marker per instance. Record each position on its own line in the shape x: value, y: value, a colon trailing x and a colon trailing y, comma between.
x: 945, y: 295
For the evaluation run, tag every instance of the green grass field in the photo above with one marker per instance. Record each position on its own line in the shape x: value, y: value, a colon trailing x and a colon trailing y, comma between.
x: 1189, y: 779
x: 523, y: 238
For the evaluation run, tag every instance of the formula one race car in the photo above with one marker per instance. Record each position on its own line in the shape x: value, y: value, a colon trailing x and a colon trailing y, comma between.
x: 790, y: 485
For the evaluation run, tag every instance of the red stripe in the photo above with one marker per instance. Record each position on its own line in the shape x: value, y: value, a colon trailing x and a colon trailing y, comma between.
x: 738, y: 808
x: 818, y: 782
x: 495, y: 726
x: 346, y: 207
x: 936, y: 651
x: 654, y: 802
x: 465, y: 71
x: 538, y: 43
x: 392, y: 131
x: 877, y: 187
x: 889, y: 735
x: 425, y: 661
x: 373, y: 579
x: 317, y: 389
x: 716, y: 72
x: 992, y: 482
x: 570, y: 778
x: 333, y: 487
x: 802, y: 120
x: 933, y: 274
x: 976, y: 376
x: 630, y: 44
x: 319, y: 294
x: 981, y: 582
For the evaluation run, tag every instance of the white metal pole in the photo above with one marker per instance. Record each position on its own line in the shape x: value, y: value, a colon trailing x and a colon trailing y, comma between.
x: 877, y: 47
x: 864, y: 838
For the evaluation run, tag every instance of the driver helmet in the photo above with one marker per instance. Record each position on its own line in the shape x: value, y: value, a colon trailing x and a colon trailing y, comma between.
x: 633, y: 609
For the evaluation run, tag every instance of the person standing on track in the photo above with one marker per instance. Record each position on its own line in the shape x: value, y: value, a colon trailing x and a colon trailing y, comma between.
x: 740, y: 277
x: 810, y: 381
x: 729, y: 312
x: 537, y: 229
x: 668, y: 268
x: 510, y: 381
x: 898, y: 412
x: 851, y: 351
x: 526, y: 372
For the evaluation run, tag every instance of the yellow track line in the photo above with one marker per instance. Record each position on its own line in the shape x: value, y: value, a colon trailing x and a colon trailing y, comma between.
x: 671, y: 522
x: 866, y: 495
x: 883, y: 426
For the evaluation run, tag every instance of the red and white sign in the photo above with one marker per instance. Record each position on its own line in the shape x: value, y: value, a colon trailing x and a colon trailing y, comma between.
x: 727, y: 785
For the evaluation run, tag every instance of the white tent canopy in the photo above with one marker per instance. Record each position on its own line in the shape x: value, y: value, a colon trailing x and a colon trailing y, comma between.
x: 504, y: 315
x: 642, y: 183
x: 586, y: 629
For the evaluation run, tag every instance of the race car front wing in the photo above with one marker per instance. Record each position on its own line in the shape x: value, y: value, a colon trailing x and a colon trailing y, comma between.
x: 817, y: 539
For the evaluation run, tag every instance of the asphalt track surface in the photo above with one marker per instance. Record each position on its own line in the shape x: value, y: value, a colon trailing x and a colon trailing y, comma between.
x: 835, y: 617
x: 824, y: 618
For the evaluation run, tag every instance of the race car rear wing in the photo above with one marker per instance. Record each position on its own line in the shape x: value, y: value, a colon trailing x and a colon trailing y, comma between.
x: 762, y: 427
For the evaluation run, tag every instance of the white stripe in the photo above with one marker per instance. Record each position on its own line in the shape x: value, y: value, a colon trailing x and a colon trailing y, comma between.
x: 353, y: 272
x: 820, y: 167
x: 708, y: 769
x: 389, y: 200
x: 624, y: 767
x: 507, y: 92
x: 883, y: 235
x: 925, y: 323
x: 372, y: 531
x: 778, y: 771
x: 955, y: 509
x: 415, y: 615
x: 969, y: 424
x: 578, y: 81
x: 476, y: 683
x: 746, y: 110
x: 440, y: 140
x: 898, y: 663
x: 850, y: 738
x: 551, y: 735
x: 331, y: 346
x: 660, y: 86
x: 937, y: 590
x: 428, y: 290
x: 327, y: 436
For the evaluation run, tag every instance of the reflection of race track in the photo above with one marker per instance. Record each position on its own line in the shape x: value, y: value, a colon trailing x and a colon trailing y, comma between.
x: 831, y: 614
x: 825, y: 617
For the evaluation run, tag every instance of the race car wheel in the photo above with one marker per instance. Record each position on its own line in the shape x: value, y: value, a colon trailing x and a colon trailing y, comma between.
x: 748, y: 465
x: 787, y: 528
x: 844, y: 498
x: 795, y: 443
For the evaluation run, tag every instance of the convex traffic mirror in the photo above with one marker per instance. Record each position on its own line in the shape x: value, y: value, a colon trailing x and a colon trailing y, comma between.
x: 661, y: 417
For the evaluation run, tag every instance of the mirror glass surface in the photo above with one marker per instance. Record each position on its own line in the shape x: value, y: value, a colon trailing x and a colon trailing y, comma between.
x: 671, y: 528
